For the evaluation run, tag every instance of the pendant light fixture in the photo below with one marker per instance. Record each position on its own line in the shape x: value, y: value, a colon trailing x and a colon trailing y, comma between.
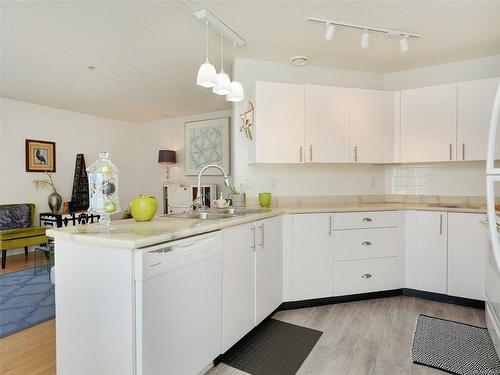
x: 403, y: 44
x: 330, y: 30
x: 237, y: 94
x: 207, y: 75
x: 365, y: 39
x: 223, y: 86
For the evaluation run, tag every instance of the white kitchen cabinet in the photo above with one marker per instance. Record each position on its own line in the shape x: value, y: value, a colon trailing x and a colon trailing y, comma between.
x: 312, y: 256
x: 466, y: 255
x: 268, y: 267
x: 372, y: 126
x: 326, y: 124
x: 238, y: 283
x: 428, y: 252
x: 475, y: 103
x: 429, y: 123
x: 278, y: 123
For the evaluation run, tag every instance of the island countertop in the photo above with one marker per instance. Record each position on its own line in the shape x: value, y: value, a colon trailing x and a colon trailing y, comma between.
x: 129, y: 234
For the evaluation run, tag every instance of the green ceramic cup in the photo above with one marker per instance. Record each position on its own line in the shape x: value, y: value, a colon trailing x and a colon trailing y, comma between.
x: 265, y: 199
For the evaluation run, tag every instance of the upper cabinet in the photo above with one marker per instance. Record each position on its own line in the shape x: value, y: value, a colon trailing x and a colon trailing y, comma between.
x: 279, y: 123
x: 372, y: 126
x: 429, y: 123
x: 475, y: 103
x: 326, y: 124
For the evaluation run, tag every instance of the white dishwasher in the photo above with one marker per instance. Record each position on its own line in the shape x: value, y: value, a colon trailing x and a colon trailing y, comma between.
x: 179, y: 305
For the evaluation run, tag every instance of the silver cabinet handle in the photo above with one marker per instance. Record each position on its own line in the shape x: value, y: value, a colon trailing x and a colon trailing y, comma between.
x: 330, y: 225
x: 262, y: 236
x: 366, y: 276
x: 441, y: 224
x: 300, y: 154
x: 463, y: 151
x: 252, y: 228
x: 310, y: 152
x: 366, y: 243
x: 355, y: 153
x: 367, y: 219
x: 451, y: 151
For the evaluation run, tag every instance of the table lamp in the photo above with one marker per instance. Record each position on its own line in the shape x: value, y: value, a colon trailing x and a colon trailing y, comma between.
x: 166, y: 157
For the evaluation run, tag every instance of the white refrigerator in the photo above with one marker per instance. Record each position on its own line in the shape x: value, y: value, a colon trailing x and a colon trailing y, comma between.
x: 492, y: 281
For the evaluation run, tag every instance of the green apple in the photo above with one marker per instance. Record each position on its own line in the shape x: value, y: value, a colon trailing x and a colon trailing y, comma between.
x: 143, y: 208
x: 110, y: 207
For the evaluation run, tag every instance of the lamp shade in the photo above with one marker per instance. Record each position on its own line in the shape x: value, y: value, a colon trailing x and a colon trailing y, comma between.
x: 207, y: 76
x: 223, y: 86
x: 166, y: 157
x: 237, y: 94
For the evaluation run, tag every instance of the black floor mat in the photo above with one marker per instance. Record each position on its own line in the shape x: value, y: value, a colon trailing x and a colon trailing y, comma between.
x: 274, y: 347
x: 457, y: 348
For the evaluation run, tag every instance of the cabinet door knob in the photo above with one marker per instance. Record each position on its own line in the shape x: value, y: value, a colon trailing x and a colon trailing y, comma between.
x: 367, y: 219
x: 366, y: 276
x: 366, y: 243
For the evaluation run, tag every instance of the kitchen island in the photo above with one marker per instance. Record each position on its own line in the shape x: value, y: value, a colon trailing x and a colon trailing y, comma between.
x: 267, y: 258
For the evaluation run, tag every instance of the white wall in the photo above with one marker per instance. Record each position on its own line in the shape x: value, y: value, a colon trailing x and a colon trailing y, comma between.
x: 165, y: 134
x: 307, y: 180
x: 73, y: 133
x: 466, y: 70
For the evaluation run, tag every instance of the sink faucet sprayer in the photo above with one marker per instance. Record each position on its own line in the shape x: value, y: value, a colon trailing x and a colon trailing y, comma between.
x: 198, y: 202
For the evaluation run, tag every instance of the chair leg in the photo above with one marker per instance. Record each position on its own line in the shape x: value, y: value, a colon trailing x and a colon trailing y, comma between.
x: 4, y: 258
x: 26, y: 251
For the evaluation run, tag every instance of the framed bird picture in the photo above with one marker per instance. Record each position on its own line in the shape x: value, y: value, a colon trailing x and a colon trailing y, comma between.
x: 40, y: 156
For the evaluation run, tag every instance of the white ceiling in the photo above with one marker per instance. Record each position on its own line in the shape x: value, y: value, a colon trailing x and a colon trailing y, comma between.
x: 146, y: 53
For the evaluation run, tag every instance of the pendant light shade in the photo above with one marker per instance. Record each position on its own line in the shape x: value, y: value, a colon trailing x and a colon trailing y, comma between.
x: 223, y: 86
x: 207, y: 75
x: 237, y: 94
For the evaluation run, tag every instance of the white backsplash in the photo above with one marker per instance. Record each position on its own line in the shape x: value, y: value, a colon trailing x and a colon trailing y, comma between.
x: 460, y: 178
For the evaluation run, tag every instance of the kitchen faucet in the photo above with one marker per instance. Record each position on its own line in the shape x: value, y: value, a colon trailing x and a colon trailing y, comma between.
x: 198, y: 202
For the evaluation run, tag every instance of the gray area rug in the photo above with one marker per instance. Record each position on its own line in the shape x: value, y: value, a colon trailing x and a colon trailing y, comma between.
x: 453, y: 347
x: 273, y: 348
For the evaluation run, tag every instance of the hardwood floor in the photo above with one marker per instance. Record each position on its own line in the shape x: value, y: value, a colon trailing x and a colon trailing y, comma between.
x: 18, y: 262
x: 368, y: 337
x: 32, y: 351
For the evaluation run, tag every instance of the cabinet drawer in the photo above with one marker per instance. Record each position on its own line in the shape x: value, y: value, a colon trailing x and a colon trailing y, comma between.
x: 376, y: 219
x: 366, y: 243
x: 363, y: 276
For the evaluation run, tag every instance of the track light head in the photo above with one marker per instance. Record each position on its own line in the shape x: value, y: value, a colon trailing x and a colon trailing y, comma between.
x: 330, y: 30
x: 403, y: 44
x: 365, y: 39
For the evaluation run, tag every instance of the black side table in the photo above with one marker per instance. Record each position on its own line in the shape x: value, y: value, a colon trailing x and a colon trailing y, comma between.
x: 48, y: 219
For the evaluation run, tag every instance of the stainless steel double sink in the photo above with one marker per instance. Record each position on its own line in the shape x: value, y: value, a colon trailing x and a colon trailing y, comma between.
x: 217, y: 214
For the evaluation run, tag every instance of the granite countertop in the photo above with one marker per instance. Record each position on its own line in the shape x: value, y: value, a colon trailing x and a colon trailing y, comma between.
x: 129, y: 234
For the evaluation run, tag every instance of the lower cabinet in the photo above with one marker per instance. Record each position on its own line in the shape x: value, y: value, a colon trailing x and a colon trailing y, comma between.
x: 367, y: 252
x: 268, y: 267
x: 238, y: 283
x: 426, y: 251
x: 251, y: 276
x: 367, y: 275
x: 312, y: 248
x: 467, y: 245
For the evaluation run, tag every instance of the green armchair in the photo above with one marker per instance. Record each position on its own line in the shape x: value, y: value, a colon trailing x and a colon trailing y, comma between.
x: 17, y: 230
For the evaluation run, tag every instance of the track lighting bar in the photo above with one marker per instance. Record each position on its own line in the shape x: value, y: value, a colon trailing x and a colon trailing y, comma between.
x: 220, y: 26
x: 399, y: 33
